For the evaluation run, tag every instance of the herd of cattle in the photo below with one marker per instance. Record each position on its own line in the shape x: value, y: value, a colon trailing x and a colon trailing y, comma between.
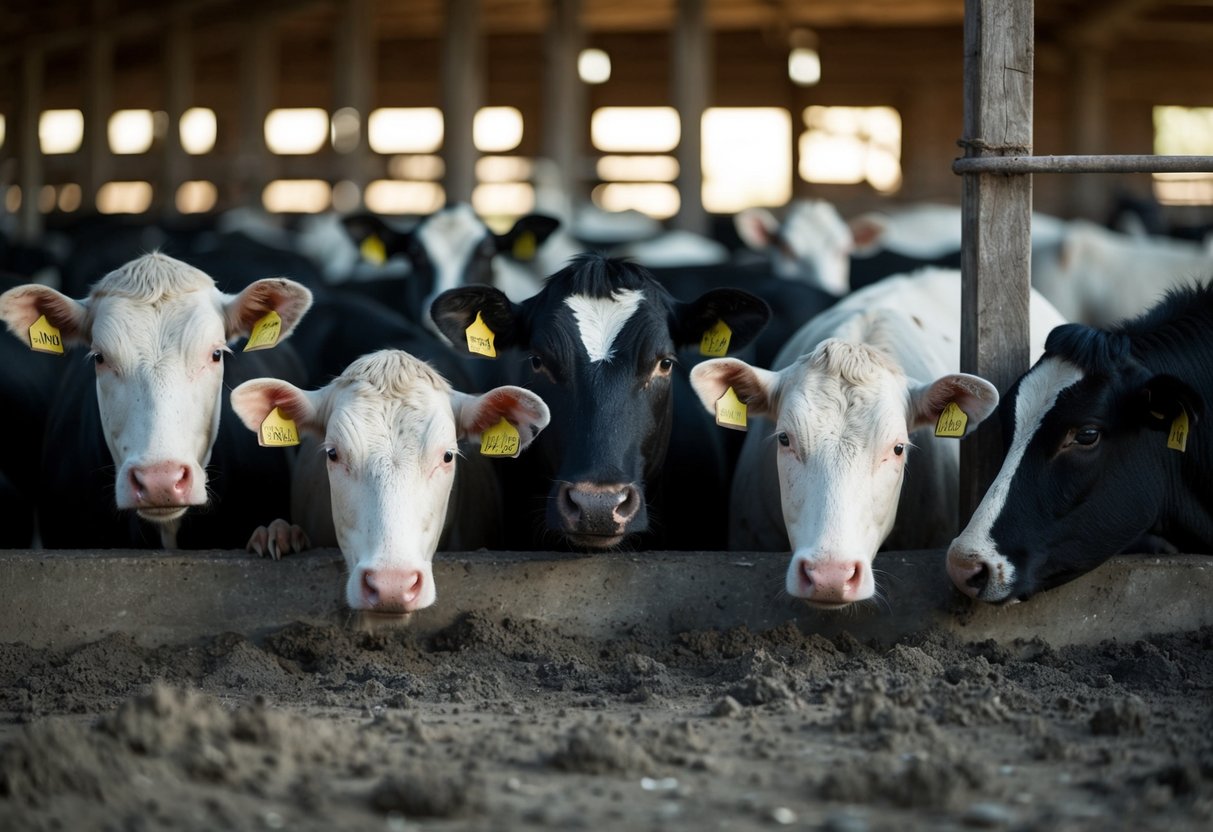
x: 443, y: 394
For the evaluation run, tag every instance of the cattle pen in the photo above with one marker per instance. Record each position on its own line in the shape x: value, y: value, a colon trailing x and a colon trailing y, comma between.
x: 628, y: 689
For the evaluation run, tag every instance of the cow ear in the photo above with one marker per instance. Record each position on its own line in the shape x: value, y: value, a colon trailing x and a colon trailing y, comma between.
x: 523, y: 240
x: 755, y: 387
x: 1164, y: 397
x: 273, y: 294
x: 521, y: 408
x: 22, y: 306
x: 745, y: 314
x: 867, y: 231
x: 455, y: 310
x: 365, y: 228
x: 255, y: 399
x: 975, y: 396
x: 757, y: 228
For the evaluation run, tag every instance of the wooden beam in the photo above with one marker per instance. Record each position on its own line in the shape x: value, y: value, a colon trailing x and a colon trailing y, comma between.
x: 462, y: 94
x: 691, y: 73
x: 31, y: 173
x: 995, y: 219
x: 354, y: 83
x: 178, y: 97
x: 258, y: 80
x: 99, y: 104
x: 564, y: 98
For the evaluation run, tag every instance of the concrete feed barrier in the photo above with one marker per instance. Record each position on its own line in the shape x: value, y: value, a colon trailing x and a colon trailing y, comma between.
x: 60, y: 598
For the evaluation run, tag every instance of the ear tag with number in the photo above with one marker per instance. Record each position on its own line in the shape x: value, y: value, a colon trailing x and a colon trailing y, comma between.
x: 265, y: 332
x: 373, y: 250
x: 715, y: 341
x: 525, y: 246
x: 43, y: 337
x: 731, y: 411
x: 952, y: 422
x: 500, y: 440
x: 277, y: 431
x: 1177, y: 439
x: 480, y: 338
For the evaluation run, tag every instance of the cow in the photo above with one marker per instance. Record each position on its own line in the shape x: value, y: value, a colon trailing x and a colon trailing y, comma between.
x: 139, y: 434
x: 393, y: 493
x: 826, y: 469
x: 1108, y: 452
x: 627, y: 456
x: 449, y: 248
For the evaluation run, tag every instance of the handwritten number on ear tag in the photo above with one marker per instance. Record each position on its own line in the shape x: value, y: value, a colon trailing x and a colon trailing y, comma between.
x: 265, y: 332
x: 715, y: 342
x: 952, y: 421
x: 1177, y: 439
x: 731, y: 411
x: 43, y: 337
x: 481, y: 339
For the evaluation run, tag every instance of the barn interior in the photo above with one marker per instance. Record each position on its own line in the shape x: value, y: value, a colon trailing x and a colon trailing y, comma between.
x: 687, y: 110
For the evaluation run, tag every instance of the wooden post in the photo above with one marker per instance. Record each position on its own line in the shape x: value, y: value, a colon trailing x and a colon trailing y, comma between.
x: 564, y: 98
x: 996, y: 219
x: 179, y: 91
x: 1087, y: 128
x: 258, y: 80
x: 462, y: 94
x: 31, y: 174
x: 354, y: 84
x: 691, y: 74
x: 99, y: 105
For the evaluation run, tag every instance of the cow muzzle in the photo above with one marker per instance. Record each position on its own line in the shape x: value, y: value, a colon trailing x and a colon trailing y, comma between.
x: 395, y: 590
x: 830, y: 584
x: 599, y: 516
x: 161, y: 491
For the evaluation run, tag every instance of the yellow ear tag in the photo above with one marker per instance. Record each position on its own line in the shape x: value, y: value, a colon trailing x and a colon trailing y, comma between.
x: 373, y: 250
x: 730, y: 411
x: 525, y: 246
x: 277, y: 431
x: 45, y: 338
x: 265, y: 332
x: 715, y: 341
x: 952, y: 422
x: 1177, y: 439
x: 500, y: 440
x: 481, y: 338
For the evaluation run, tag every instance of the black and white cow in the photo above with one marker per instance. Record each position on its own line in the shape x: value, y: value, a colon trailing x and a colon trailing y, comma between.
x: 451, y: 247
x: 626, y: 452
x: 135, y: 424
x: 1109, y: 452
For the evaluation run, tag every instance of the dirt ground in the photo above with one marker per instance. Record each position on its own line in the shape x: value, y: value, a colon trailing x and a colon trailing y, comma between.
x: 513, y: 725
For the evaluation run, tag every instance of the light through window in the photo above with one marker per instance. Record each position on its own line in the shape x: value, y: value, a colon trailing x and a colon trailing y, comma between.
x: 60, y: 131
x: 852, y: 145
x: 130, y: 131
x: 497, y: 129
x: 298, y: 131
x: 635, y: 129
x: 1183, y: 131
x: 405, y: 130
x: 747, y: 158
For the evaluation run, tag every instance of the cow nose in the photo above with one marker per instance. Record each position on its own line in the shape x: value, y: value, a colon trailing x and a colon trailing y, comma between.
x: 598, y: 509
x: 969, y: 573
x: 162, y: 484
x: 832, y: 581
x: 392, y: 590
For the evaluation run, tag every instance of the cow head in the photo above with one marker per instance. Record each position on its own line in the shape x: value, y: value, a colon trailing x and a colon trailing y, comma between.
x: 449, y: 248
x: 389, y: 426
x: 843, y: 416
x: 600, y: 342
x: 1087, y: 470
x: 158, y: 332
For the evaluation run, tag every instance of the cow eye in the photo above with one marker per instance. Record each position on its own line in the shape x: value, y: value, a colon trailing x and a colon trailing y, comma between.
x: 98, y: 358
x: 783, y: 439
x: 217, y: 356
x: 536, y: 363
x: 332, y: 454
x: 665, y: 364
x: 448, y: 457
x: 1087, y: 436
x: 899, y: 449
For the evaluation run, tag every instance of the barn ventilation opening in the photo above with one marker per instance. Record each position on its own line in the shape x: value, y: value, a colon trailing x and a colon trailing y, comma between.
x: 852, y: 146
x: 1183, y: 131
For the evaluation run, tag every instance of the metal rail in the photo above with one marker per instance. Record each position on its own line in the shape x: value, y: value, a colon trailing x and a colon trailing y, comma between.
x: 1142, y: 163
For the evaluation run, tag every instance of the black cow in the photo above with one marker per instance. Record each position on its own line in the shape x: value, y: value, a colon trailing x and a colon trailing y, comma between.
x: 625, y: 454
x: 1109, y: 452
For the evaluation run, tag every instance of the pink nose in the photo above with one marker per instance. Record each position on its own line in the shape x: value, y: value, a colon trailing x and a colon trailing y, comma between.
x: 969, y: 574
x: 162, y: 484
x: 392, y: 590
x: 831, y: 581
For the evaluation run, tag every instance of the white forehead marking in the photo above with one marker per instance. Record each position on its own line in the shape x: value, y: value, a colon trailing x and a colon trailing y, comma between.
x: 600, y: 320
x: 449, y: 237
x: 1038, y: 393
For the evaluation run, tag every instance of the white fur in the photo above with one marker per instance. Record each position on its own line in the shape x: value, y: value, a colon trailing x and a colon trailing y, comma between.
x: 600, y: 320
x: 1038, y: 392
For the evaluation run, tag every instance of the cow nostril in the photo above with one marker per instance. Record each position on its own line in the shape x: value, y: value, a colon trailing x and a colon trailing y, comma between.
x: 369, y: 592
x: 979, y: 579
x: 568, y: 504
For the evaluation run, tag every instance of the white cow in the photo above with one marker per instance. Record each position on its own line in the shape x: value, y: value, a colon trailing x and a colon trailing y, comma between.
x: 389, y: 427
x: 157, y: 330
x: 852, y: 396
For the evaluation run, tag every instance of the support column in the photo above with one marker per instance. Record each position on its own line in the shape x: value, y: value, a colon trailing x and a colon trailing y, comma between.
x: 564, y: 99
x: 30, y: 177
x: 1088, y: 128
x: 691, y: 74
x: 258, y: 79
x: 99, y: 104
x: 462, y: 94
x: 354, y: 85
x: 996, y: 220
x: 178, y: 97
